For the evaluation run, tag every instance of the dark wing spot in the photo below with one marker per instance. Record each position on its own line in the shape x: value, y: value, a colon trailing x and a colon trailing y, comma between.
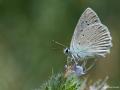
x: 96, y: 20
x: 99, y: 27
x: 81, y: 30
x: 87, y: 23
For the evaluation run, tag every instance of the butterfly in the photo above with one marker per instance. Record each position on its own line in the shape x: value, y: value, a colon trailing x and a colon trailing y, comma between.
x: 91, y: 38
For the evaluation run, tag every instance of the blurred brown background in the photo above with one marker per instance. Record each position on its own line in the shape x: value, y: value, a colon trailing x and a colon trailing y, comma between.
x: 27, y: 28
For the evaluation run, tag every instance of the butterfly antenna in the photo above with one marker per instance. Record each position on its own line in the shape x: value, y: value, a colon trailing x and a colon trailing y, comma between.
x: 58, y: 43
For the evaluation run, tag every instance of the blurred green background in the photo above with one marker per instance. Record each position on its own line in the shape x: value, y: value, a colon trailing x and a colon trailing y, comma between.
x: 27, y: 28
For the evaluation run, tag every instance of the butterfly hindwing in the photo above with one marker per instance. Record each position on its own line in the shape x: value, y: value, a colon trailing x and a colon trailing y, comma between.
x: 95, y: 40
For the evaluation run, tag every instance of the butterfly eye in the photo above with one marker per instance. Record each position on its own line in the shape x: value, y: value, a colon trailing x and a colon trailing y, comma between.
x: 66, y: 51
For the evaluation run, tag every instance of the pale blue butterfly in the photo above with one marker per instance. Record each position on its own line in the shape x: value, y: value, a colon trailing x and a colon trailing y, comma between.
x: 90, y: 39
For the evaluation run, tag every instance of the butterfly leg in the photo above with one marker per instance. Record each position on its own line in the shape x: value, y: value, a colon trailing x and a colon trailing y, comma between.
x: 91, y: 66
x: 84, y: 65
x: 69, y: 60
x: 74, y: 59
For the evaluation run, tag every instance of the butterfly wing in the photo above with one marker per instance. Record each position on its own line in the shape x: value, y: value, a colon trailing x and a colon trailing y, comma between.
x: 90, y: 36
x: 95, y: 40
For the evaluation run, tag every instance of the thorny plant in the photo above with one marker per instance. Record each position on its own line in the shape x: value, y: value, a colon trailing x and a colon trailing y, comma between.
x: 73, y: 78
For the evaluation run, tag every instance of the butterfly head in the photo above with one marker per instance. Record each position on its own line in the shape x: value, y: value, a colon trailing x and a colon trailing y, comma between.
x: 66, y: 51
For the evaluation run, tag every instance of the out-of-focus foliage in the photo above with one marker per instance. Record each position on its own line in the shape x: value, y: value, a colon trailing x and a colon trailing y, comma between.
x: 27, y: 28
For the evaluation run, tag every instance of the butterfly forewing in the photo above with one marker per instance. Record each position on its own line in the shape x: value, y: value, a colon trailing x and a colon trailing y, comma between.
x: 87, y: 18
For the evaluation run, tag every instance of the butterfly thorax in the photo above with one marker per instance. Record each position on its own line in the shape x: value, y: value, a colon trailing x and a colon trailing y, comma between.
x: 71, y: 54
x: 78, y: 54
